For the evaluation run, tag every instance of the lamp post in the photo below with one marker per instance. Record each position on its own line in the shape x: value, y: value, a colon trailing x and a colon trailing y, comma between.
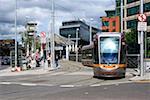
x: 91, y: 19
x: 141, y: 46
x: 52, y: 38
x: 16, y: 33
x: 67, y: 48
x: 69, y: 42
x: 121, y: 16
x: 27, y: 37
x: 76, y: 46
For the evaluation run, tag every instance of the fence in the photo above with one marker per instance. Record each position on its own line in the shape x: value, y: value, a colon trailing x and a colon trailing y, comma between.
x: 133, y: 60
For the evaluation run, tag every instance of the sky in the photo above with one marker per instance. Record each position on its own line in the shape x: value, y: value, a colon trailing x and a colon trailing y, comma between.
x: 40, y: 11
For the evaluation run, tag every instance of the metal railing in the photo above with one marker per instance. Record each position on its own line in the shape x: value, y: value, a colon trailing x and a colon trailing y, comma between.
x: 133, y: 60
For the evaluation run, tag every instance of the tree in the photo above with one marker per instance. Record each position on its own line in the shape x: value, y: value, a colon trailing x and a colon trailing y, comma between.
x: 132, y: 42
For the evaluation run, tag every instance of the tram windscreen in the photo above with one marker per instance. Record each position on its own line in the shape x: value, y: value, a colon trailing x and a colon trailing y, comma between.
x: 109, y: 48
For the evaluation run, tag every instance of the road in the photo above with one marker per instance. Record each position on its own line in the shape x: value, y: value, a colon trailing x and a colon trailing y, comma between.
x: 71, y: 74
x: 127, y: 91
x: 72, y: 82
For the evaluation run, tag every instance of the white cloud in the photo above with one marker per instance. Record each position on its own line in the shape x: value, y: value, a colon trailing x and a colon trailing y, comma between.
x: 40, y: 10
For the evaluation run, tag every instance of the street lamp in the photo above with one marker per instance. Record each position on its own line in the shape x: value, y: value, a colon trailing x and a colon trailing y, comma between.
x: 16, y: 33
x: 91, y: 19
x: 76, y: 46
x: 67, y: 48
x: 52, y: 37
x: 69, y: 42
x: 142, y: 45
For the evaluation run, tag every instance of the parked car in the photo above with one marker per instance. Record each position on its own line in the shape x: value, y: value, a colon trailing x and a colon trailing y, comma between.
x: 5, y: 60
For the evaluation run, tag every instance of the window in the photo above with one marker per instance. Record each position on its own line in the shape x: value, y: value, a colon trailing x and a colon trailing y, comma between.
x: 105, y: 23
x: 109, y: 48
x: 146, y: 7
x: 148, y: 20
x: 132, y: 24
x: 118, y: 3
x: 131, y: 1
x: 133, y: 10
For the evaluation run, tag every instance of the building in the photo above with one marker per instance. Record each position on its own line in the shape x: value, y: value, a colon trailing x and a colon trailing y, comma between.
x: 69, y: 30
x: 130, y: 20
x: 110, y: 22
x: 76, y: 30
x: 131, y: 12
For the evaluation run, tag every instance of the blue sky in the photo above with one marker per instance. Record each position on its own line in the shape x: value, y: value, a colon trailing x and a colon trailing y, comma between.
x: 40, y: 11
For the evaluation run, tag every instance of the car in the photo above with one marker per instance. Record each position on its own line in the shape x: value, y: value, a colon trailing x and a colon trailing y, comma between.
x: 5, y: 60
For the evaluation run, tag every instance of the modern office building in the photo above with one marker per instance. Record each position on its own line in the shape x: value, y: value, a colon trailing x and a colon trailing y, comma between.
x: 110, y: 22
x: 76, y: 30
x: 130, y: 20
x: 131, y: 12
x: 70, y: 29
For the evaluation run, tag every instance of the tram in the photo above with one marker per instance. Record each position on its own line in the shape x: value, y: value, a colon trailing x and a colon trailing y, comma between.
x: 106, y: 55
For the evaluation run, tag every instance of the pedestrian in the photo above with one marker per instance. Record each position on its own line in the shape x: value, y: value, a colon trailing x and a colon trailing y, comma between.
x: 49, y: 59
x: 37, y: 58
x: 56, y: 60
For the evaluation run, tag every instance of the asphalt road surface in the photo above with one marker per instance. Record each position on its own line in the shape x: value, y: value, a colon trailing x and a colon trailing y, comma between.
x: 127, y: 91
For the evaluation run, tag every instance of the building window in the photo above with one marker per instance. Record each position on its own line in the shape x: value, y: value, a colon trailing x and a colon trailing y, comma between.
x: 132, y: 24
x: 133, y: 10
x: 118, y: 3
x: 131, y: 1
x: 147, y: 7
x: 148, y: 20
x: 118, y: 11
x: 114, y: 23
x: 105, y: 23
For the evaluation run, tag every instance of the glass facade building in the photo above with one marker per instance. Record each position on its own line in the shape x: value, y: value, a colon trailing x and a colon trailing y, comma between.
x: 69, y: 29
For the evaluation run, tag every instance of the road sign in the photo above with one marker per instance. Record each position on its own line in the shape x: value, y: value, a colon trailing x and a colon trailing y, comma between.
x: 142, y: 17
x: 142, y: 26
x: 43, y: 37
x: 43, y: 34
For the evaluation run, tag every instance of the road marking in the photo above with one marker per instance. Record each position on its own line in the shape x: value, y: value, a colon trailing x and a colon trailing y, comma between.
x: 5, y: 83
x: 28, y: 84
x: 143, y: 81
x: 95, y: 85
x: 67, y: 86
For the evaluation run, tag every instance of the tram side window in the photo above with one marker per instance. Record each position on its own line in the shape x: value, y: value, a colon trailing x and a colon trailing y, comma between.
x: 123, y: 55
x: 87, y: 54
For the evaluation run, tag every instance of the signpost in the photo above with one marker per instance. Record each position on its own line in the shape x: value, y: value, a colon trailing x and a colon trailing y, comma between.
x: 142, y: 19
x: 43, y: 37
x: 43, y: 44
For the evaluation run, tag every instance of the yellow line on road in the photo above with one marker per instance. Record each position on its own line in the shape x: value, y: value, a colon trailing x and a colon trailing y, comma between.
x: 143, y: 81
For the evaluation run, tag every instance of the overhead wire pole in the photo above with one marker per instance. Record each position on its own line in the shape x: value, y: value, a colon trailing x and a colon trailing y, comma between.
x: 16, y: 33
x: 76, y: 46
x: 91, y: 19
x: 52, y: 38
x: 141, y: 46
x: 121, y: 16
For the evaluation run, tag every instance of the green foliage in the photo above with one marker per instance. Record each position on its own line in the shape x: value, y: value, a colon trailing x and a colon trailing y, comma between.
x: 132, y: 41
x: 131, y: 37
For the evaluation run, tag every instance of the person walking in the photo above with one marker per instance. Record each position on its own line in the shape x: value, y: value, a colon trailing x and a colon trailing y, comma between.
x: 56, y: 60
x: 49, y: 59
x: 37, y: 58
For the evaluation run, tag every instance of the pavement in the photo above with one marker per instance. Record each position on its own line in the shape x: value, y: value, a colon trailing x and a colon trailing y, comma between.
x: 70, y: 66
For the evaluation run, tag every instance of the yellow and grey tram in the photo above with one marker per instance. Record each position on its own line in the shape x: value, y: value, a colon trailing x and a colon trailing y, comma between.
x: 107, y: 55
